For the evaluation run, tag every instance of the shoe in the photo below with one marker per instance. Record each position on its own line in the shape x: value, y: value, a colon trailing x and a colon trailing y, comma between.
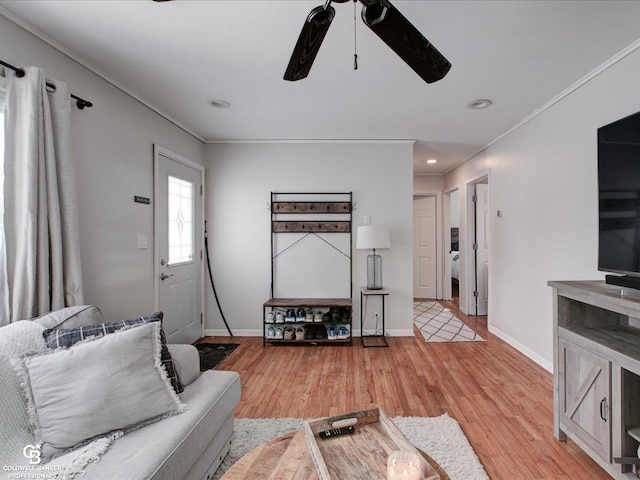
x: 346, y: 315
x: 332, y: 332
x: 300, y: 333
x: 289, y: 333
x: 326, y: 317
x: 317, y: 317
x: 309, y: 316
x: 271, y: 333
x: 269, y: 318
x: 321, y: 332
x: 279, y: 317
x: 343, y: 332
x: 301, y: 315
x: 290, y: 316
x: 278, y: 333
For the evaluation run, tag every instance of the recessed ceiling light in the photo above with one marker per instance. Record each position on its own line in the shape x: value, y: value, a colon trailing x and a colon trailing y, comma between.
x: 220, y: 103
x: 480, y: 103
x: 432, y: 160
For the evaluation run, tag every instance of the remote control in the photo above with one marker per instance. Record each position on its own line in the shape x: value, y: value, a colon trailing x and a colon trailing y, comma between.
x: 336, y: 432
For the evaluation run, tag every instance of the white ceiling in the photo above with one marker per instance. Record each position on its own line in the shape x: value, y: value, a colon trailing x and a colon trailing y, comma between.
x: 180, y: 55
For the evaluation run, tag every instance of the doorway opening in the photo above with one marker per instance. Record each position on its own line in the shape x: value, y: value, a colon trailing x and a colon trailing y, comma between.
x: 454, y: 245
x: 425, y: 247
x: 479, y: 228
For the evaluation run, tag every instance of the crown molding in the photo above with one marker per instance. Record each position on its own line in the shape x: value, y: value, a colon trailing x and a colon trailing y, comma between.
x: 312, y: 140
x: 583, y: 81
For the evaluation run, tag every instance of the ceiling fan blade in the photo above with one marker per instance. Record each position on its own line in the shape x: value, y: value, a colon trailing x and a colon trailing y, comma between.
x: 313, y: 32
x: 403, y: 38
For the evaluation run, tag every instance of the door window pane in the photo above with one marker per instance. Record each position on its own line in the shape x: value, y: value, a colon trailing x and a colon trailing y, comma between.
x: 180, y: 220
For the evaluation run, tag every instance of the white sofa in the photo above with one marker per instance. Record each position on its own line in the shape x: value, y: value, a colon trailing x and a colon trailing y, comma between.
x: 190, y: 445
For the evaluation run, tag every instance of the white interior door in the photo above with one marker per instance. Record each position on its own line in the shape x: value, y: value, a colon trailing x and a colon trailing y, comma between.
x: 482, y: 252
x: 424, y: 247
x: 446, y: 238
x: 178, y: 245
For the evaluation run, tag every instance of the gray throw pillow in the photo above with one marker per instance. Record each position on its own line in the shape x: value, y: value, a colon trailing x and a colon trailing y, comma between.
x: 71, y: 317
x: 57, y: 338
x: 115, y: 382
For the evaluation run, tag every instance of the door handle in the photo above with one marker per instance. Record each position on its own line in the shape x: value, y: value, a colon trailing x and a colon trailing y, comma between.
x: 603, y: 404
x: 164, y: 276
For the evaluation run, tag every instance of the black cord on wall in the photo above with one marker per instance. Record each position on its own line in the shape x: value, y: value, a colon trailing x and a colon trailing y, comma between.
x: 206, y: 249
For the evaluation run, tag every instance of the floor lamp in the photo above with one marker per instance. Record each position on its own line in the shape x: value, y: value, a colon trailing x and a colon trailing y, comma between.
x: 373, y: 238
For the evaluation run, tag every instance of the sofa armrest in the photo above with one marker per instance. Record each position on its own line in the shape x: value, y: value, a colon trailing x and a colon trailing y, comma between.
x: 187, y: 362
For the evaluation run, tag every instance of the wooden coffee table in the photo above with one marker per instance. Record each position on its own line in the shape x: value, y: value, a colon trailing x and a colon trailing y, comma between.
x: 287, y: 458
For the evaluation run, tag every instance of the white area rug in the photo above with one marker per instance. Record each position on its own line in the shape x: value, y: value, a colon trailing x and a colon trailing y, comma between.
x: 440, y: 437
x: 439, y: 324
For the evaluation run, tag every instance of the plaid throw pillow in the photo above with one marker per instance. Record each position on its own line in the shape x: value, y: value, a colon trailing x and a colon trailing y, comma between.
x: 56, y: 338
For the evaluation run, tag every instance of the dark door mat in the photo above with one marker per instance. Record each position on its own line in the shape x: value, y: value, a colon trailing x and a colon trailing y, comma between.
x: 211, y: 354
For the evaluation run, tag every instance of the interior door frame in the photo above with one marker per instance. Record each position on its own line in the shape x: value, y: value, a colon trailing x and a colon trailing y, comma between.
x: 438, y: 195
x: 157, y: 151
x: 447, y: 291
x: 471, y: 267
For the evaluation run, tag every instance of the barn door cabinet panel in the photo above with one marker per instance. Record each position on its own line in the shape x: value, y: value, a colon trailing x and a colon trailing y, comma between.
x: 584, y: 396
x: 597, y: 371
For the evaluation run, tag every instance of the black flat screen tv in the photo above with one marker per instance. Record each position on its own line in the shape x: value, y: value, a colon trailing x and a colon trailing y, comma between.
x: 619, y: 201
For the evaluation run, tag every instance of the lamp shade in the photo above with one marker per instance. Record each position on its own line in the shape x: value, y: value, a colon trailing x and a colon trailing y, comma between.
x: 372, y: 237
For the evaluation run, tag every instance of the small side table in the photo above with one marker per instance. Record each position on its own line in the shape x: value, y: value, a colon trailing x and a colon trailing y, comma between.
x: 376, y: 340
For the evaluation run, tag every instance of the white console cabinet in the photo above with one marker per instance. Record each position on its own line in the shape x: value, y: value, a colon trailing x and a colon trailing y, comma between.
x: 597, y: 371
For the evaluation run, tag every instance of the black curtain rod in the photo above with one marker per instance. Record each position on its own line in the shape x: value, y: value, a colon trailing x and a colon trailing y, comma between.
x: 80, y: 102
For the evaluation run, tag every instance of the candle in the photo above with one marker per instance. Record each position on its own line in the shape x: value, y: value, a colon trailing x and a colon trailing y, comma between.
x: 403, y: 466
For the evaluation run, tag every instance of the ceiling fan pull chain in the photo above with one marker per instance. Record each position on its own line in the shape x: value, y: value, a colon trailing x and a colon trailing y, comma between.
x: 355, y: 41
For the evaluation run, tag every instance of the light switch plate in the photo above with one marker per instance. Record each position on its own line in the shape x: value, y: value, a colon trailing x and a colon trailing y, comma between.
x: 142, y: 242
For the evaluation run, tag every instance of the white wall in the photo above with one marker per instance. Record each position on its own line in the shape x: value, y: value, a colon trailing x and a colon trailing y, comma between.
x: 113, y: 150
x: 454, y: 209
x: 543, y: 179
x: 240, y: 178
x: 427, y: 183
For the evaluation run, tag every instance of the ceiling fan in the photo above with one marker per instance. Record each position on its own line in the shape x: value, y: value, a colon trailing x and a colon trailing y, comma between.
x: 387, y: 22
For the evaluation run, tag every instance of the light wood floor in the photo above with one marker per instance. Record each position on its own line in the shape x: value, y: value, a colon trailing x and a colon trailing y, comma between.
x: 502, y: 400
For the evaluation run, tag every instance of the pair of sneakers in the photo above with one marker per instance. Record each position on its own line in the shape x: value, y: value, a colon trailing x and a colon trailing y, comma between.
x: 297, y: 333
x: 335, y: 332
x: 274, y: 318
x: 286, y: 333
x: 275, y: 333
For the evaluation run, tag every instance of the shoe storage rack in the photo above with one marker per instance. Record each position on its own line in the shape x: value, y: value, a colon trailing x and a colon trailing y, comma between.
x: 309, y: 320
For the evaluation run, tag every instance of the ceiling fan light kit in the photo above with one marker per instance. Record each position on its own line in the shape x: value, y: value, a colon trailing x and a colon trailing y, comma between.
x: 387, y: 23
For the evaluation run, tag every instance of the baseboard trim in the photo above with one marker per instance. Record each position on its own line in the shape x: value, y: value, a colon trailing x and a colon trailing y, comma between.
x: 400, y: 333
x: 527, y: 352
